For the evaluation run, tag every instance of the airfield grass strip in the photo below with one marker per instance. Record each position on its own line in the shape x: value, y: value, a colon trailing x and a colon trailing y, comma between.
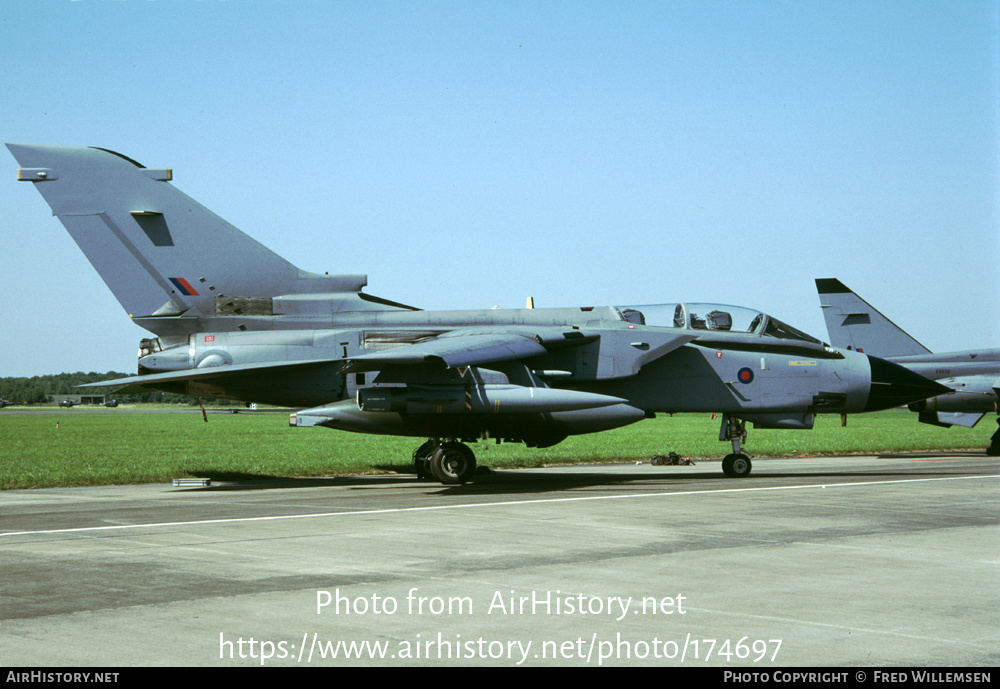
x: 77, y: 448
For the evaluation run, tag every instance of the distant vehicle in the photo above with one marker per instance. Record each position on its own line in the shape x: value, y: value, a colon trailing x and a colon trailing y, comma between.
x: 3, y: 403
x: 111, y: 403
x: 66, y: 403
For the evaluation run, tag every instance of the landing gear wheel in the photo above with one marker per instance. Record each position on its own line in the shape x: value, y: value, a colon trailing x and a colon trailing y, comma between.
x: 453, y: 463
x: 736, y: 465
x: 421, y: 460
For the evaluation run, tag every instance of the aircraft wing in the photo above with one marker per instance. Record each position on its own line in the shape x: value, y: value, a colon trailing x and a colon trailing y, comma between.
x: 467, y: 348
x: 138, y: 384
x: 464, y: 347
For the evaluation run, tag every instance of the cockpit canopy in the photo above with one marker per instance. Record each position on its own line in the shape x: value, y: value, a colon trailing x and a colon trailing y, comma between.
x: 713, y: 317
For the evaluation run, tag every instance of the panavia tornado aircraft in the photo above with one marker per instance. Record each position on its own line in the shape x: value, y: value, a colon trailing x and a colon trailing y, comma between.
x: 972, y: 376
x: 235, y: 320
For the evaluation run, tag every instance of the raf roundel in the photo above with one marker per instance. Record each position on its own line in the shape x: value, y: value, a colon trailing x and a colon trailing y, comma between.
x: 745, y: 375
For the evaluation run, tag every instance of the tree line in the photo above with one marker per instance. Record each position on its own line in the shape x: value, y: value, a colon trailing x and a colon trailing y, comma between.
x: 41, y: 389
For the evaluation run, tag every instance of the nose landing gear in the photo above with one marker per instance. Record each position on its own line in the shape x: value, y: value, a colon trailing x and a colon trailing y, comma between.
x: 737, y: 464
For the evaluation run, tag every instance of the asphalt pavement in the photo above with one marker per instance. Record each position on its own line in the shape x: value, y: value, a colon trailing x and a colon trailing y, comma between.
x: 859, y: 561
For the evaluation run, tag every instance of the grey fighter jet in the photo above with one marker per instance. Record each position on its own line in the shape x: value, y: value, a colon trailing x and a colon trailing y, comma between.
x: 973, y: 376
x: 234, y: 320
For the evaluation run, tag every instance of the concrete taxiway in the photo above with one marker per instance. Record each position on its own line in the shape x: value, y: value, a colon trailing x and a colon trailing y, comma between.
x: 861, y: 561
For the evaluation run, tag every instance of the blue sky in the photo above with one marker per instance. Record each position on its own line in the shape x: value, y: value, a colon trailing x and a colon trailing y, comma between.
x: 472, y: 154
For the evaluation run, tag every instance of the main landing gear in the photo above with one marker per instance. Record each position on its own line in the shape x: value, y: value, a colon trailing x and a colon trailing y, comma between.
x: 737, y: 464
x: 450, y: 462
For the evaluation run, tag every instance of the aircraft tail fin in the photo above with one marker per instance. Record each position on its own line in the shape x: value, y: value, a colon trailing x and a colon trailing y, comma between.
x: 161, y: 253
x: 853, y: 323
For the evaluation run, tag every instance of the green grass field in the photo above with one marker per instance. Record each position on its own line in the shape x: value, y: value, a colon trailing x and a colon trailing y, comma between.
x: 108, y: 447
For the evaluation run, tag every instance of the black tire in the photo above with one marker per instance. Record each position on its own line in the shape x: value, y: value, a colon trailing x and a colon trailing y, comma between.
x: 453, y: 464
x: 736, y: 465
x: 421, y: 460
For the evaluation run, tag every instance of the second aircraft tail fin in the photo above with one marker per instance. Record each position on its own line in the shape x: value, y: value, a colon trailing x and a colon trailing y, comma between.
x: 853, y: 323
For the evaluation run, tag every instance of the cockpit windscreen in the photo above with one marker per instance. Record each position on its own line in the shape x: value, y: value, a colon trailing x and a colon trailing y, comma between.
x: 713, y: 317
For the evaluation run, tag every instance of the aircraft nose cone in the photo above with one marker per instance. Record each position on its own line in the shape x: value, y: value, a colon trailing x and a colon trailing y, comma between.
x: 893, y: 386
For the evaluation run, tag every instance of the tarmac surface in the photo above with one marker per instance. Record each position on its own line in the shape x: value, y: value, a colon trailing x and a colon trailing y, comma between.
x: 859, y: 561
